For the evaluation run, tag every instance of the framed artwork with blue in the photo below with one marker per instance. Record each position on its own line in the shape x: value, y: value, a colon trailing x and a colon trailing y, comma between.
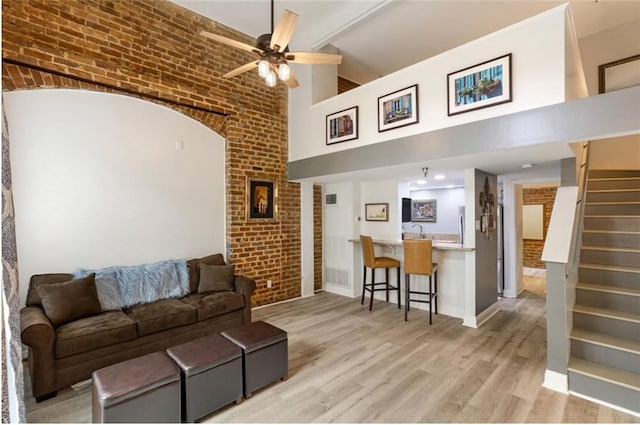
x: 479, y: 86
x: 398, y: 109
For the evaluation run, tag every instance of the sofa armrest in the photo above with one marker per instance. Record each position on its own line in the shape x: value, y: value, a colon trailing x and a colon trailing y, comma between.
x: 245, y: 286
x: 35, y: 328
x: 37, y: 332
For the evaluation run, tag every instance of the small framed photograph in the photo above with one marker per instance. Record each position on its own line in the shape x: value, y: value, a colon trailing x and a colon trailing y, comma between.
x: 262, y: 195
x: 423, y: 210
x: 398, y: 109
x: 376, y: 212
x: 619, y: 74
x: 342, y: 126
x: 479, y: 86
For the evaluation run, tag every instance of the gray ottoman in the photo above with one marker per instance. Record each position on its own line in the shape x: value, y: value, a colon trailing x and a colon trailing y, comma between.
x: 144, y: 389
x: 211, y: 375
x: 265, y: 355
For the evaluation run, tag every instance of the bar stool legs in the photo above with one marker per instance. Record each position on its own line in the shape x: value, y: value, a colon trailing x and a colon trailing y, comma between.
x: 371, y: 287
x: 432, y: 295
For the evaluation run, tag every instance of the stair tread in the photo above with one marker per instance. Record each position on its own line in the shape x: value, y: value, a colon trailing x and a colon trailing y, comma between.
x: 612, y: 232
x: 612, y: 190
x: 613, y: 203
x: 610, y: 249
x: 607, y: 312
x: 610, y: 268
x: 624, y: 216
x: 609, y: 288
x: 616, y: 376
x: 599, y: 179
x: 614, y: 342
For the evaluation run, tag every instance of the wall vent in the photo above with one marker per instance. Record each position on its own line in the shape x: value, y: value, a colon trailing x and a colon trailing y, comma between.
x: 331, y: 199
x: 336, y: 277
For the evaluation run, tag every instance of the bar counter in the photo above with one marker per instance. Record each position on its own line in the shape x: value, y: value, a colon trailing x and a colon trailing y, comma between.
x: 454, y: 280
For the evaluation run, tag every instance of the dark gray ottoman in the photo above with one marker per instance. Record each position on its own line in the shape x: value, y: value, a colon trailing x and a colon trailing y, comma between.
x: 144, y: 389
x: 211, y: 375
x: 265, y: 354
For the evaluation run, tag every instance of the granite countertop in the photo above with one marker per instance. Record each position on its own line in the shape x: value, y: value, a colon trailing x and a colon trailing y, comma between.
x: 439, y: 245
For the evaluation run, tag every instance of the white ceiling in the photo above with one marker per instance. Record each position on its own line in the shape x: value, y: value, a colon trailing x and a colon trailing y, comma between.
x: 378, y: 37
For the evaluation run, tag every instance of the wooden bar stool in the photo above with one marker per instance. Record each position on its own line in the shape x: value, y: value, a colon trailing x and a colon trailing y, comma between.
x: 371, y: 261
x: 418, y: 260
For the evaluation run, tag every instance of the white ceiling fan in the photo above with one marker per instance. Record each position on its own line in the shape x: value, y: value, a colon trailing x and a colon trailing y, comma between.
x: 273, y: 51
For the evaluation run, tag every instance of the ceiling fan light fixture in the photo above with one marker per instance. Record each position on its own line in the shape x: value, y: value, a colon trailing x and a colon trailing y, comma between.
x: 284, y: 72
x: 271, y: 79
x: 263, y: 68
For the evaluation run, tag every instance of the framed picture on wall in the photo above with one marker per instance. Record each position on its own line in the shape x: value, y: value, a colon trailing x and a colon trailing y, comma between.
x: 261, y: 198
x: 619, y: 74
x: 376, y: 212
x: 398, y: 109
x: 423, y: 210
x: 342, y: 126
x: 479, y: 86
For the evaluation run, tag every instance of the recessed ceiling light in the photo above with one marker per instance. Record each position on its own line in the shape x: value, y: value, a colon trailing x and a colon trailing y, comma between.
x: 421, y: 182
x: 439, y: 176
x: 526, y: 165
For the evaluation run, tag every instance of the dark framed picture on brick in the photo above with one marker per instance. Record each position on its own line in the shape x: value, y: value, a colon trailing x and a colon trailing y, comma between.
x: 262, y: 195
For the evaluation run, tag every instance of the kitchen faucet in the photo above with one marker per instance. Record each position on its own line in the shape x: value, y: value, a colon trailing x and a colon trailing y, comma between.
x: 420, y: 226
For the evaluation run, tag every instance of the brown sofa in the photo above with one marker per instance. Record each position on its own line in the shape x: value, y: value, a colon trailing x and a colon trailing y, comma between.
x: 68, y: 353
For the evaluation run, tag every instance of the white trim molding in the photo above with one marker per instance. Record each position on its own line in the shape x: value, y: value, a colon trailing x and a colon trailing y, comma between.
x: 477, y: 321
x: 556, y: 381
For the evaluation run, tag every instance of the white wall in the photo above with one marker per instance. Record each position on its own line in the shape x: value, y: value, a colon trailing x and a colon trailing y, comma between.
x: 513, y: 250
x: 575, y: 83
x: 607, y: 46
x: 98, y: 181
x: 617, y: 153
x: 381, y: 191
x: 537, y: 73
x: 448, y: 202
x: 338, y: 226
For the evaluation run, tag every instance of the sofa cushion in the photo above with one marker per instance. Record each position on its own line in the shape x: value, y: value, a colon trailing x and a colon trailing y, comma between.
x: 33, y: 298
x: 107, y: 285
x: 65, y: 302
x: 193, y: 266
x: 161, y: 315
x: 215, y: 278
x: 214, y: 304
x: 93, y: 332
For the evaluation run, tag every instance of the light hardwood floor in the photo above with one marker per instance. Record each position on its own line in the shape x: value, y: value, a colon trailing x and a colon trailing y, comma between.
x: 347, y: 364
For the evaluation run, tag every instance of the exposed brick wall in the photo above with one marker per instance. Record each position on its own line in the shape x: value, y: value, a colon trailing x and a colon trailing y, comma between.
x: 533, y: 248
x: 317, y: 237
x: 153, y: 47
x: 346, y: 85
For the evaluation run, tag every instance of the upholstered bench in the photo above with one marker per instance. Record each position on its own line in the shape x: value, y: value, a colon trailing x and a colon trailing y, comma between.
x: 265, y: 355
x: 211, y: 375
x: 143, y: 389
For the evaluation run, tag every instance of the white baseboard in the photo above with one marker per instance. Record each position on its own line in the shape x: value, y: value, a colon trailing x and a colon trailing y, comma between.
x: 556, y: 381
x: 477, y: 321
x: 276, y: 303
x: 345, y: 292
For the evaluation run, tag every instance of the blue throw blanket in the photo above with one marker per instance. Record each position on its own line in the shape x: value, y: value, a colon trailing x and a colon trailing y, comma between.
x: 123, y: 286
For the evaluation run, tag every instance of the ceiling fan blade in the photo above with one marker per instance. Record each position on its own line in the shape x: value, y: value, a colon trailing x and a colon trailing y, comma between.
x: 230, y: 42
x: 239, y: 70
x: 292, y: 82
x: 283, y: 31
x: 314, y: 58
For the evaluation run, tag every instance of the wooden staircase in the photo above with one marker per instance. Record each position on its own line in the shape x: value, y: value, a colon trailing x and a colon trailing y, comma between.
x: 605, y: 340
